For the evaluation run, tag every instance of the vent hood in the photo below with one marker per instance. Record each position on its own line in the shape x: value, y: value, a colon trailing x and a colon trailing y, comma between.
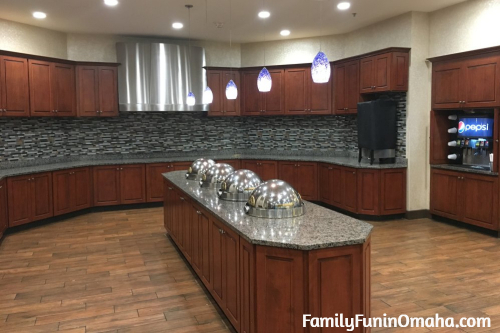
x: 158, y: 77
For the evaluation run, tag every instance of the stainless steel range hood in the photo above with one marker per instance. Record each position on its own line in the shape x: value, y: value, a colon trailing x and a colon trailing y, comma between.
x: 158, y: 77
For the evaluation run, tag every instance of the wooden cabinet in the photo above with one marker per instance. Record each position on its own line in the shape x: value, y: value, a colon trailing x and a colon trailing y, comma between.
x: 255, y: 102
x: 266, y: 170
x: 72, y: 190
x: 168, y: 205
x: 384, y: 72
x: 217, y: 80
x: 52, y: 89
x: 346, y: 87
x: 97, y: 91
x: 303, y: 96
x: 330, y: 184
x: 368, y: 191
x: 4, y: 216
x: 29, y: 198
x: 122, y: 184
x: 349, y: 189
x: 14, y: 87
x: 392, y: 191
x: 462, y: 196
x: 236, y: 164
x: 247, y: 286
x: 302, y: 176
x: 466, y: 82
x: 154, y: 178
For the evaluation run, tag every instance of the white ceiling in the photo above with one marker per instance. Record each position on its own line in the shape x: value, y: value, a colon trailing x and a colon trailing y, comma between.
x: 155, y: 17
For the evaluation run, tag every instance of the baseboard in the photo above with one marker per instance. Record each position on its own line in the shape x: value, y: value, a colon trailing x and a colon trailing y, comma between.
x: 418, y: 214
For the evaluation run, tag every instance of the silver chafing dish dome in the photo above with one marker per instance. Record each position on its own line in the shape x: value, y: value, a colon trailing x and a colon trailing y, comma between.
x: 239, y: 185
x: 275, y: 199
x: 198, y: 168
x: 214, y: 176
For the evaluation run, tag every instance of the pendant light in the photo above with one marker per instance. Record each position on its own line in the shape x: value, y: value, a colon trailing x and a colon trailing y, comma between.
x: 231, y: 89
x: 191, y: 99
x: 264, y: 80
x: 208, y: 95
x: 320, y: 69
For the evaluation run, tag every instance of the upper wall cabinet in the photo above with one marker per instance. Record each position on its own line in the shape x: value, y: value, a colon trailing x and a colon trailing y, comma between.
x: 303, y: 96
x: 384, y: 72
x: 346, y: 87
x: 14, y: 87
x: 217, y: 81
x: 97, y: 91
x: 52, y: 89
x: 471, y: 82
x: 255, y: 102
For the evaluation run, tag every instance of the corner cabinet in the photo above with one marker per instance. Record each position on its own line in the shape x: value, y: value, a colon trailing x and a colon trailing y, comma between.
x: 97, y: 91
x: 14, y: 87
x: 384, y: 72
x: 217, y: 81
x: 303, y: 96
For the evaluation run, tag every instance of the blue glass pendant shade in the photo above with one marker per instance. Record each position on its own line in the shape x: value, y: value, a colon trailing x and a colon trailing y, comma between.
x: 231, y: 90
x: 191, y: 100
x: 264, y: 81
x: 208, y: 96
x: 320, y: 69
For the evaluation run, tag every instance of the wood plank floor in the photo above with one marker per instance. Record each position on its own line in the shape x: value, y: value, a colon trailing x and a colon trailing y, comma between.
x: 117, y: 272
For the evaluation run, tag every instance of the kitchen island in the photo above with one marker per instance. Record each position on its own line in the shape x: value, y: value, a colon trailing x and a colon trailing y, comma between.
x: 265, y: 274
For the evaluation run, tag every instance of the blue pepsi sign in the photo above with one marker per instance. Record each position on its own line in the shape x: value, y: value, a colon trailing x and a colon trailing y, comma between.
x: 475, y: 127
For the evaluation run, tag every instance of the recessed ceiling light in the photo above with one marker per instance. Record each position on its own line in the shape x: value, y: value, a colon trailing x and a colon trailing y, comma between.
x: 264, y: 14
x: 344, y: 5
x: 285, y: 32
x: 39, y: 15
x: 111, y: 3
x: 177, y: 25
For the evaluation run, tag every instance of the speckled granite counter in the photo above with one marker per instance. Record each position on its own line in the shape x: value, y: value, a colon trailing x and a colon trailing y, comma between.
x: 463, y: 169
x: 44, y: 165
x: 318, y: 228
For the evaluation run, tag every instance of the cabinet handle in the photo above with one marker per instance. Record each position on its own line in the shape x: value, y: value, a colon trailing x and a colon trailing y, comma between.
x: 198, y: 212
x: 170, y: 188
x: 121, y: 168
x: 1, y: 186
x: 330, y: 168
x: 118, y: 169
x: 182, y: 198
x: 354, y: 172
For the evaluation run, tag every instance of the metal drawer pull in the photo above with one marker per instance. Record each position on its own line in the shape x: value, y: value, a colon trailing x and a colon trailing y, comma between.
x: 198, y: 212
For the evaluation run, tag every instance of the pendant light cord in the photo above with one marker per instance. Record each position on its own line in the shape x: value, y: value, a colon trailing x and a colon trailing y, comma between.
x: 264, y: 7
x: 230, y: 34
x: 321, y: 21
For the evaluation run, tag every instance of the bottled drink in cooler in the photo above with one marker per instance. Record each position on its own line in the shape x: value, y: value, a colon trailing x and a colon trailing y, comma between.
x: 454, y: 157
x: 452, y: 144
x: 453, y: 130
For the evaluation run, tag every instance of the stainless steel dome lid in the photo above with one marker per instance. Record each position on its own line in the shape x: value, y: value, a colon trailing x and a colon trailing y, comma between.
x: 198, y: 168
x: 275, y: 199
x: 239, y: 185
x: 214, y: 176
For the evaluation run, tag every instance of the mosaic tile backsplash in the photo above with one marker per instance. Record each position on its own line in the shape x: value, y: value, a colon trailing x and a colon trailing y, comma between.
x: 23, y: 139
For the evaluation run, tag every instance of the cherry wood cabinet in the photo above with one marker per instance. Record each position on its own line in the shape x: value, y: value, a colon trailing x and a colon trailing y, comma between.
x: 247, y: 286
x: 303, y: 96
x: 303, y: 176
x: 52, y: 89
x: 346, y: 87
x: 236, y: 164
x: 122, y: 184
x: 72, y: 190
x: 97, y: 91
x: 14, y: 87
x: 465, y: 197
x: 349, y: 186
x: 217, y: 80
x: 470, y: 82
x: 255, y: 102
x: 29, y: 198
x: 392, y: 198
x: 154, y: 178
x: 384, y: 72
x: 4, y: 216
x: 330, y: 185
x: 266, y: 170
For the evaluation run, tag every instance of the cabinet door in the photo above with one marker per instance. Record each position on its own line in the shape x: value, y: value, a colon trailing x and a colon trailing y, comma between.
x: 399, y: 71
x: 132, y: 184
x: 206, y: 250
x: 19, y: 200
x: 230, y: 276
x: 288, y: 172
x: 352, y: 96
x: 64, y: 191
x: 251, y: 96
x: 444, y: 193
x: 83, y: 188
x: 296, y: 90
x: 154, y: 181
x: 382, y: 72
x: 268, y: 170
x: 216, y: 240
x: 234, y: 163
x: 307, y: 180
x: 368, y: 192
x: 187, y: 226
x: 274, y: 101
x: 392, y: 191
x: 214, y: 81
x: 340, y: 88
x: 479, y: 200
x: 349, y: 189
x: 231, y: 107
x: 196, y: 247
x: 181, y: 166
x: 325, y: 183
x: 64, y: 89
x: 41, y: 196
x: 41, y: 95
x: 320, y: 97
x: 447, y: 85
x: 106, y: 185
x: 247, y: 287
x: 14, y: 87
x: 337, y: 194
x: 178, y: 216
x: 108, y: 92
x: 168, y: 207
x: 251, y: 165
x: 481, y: 88
x: 366, y: 74
x: 4, y: 217
x: 88, y: 91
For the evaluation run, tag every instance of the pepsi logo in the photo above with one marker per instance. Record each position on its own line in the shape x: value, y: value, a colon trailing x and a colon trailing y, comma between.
x: 461, y: 127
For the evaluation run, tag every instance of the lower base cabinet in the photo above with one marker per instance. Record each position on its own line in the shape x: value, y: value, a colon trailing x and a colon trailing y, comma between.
x: 303, y: 176
x: 154, y: 178
x: 465, y: 197
x: 72, y: 190
x: 119, y: 184
x: 4, y: 217
x: 266, y: 170
x: 268, y: 289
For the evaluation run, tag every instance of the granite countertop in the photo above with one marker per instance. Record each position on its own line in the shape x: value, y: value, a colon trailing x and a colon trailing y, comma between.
x: 44, y: 165
x: 318, y: 228
x: 460, y: 168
